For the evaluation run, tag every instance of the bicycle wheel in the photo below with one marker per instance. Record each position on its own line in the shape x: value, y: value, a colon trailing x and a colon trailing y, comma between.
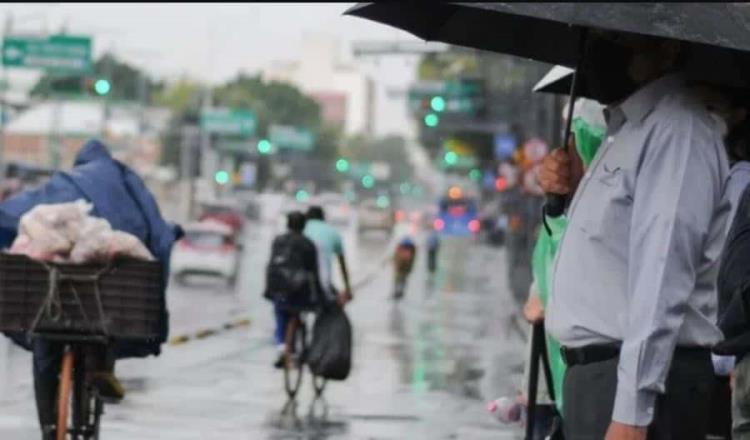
x: 319, y: 384
x: 63, y: 396
x: 87, y: 406
x: 294, y: 365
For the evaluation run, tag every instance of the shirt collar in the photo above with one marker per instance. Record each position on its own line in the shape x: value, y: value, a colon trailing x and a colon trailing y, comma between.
x: 638, y: 105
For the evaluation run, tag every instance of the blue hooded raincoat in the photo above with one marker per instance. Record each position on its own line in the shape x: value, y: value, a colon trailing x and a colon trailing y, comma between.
x: 118, y: 195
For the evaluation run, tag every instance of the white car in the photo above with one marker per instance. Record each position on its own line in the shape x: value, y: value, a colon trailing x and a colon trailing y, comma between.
x: 338, y: 210
x: 208, y: 248
x: 370, y: 216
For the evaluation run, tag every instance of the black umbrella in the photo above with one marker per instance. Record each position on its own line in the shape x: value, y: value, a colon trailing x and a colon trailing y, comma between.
x: 550, y: 32
x: 718, y: 33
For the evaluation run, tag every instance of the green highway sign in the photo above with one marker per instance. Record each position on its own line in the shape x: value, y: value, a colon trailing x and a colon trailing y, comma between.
x: 54, y: 54
x: 293, y: 138
x: 235, y: 146
x: 234, y: 122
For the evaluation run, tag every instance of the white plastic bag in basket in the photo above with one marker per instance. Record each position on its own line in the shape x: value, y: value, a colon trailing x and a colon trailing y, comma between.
x: 48, y: 232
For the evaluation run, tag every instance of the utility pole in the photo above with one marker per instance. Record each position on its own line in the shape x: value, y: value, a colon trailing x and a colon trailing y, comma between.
x: 187, y: 167
x: 3, y: 99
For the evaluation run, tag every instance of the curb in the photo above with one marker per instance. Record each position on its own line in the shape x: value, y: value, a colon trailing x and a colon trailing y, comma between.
x: 207, y: 332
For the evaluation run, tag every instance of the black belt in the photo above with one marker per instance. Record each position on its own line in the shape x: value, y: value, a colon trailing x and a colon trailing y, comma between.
x: 603, y: 352
x: 589, y: 354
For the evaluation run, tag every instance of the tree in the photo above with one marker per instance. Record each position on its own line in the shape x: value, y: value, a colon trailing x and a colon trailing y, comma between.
x: 181, y: 96
x: 273, y: 102
x: 128, y: 83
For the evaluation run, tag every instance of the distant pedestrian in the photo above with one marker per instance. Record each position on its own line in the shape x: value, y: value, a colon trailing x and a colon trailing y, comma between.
x: 433, y: 247
x: 403, y: 262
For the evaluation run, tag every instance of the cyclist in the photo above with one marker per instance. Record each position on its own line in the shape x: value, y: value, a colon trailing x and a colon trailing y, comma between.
x: 403, y: 260
x: 119, y: 196
x: 330, y: 245
x: 292, y: 280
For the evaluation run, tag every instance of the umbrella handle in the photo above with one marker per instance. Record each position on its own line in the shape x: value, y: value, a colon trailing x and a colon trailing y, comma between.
x: 555, y: 204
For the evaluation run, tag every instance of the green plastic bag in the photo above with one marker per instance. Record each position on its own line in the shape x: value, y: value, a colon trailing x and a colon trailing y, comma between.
x: 588, y: 139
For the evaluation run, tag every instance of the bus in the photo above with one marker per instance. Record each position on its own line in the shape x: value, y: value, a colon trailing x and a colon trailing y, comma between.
x: 457, y: 214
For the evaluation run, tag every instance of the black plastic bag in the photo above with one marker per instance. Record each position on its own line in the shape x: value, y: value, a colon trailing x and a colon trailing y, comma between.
x: 330, y: 354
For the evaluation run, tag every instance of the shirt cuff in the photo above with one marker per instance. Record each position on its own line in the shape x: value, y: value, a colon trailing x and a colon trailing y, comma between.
x: 634, y: 408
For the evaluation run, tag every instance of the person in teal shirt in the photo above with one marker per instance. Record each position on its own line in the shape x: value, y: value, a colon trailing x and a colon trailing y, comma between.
x: 588, y: 130
x: 330, y: 246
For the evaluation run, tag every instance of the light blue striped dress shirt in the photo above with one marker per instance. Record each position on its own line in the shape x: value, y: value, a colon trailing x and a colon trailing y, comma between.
x: 638, y: 261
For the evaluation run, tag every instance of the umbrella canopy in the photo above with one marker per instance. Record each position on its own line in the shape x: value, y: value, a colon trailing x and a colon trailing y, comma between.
x: 527, y: 29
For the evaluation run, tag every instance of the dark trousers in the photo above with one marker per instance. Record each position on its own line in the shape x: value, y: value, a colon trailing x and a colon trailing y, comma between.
x: 47, y: 362
x: 681, y: 413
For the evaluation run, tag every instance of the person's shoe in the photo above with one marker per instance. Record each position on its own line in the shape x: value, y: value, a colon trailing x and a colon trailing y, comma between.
x: 279, y: 364
x: 110, y: 389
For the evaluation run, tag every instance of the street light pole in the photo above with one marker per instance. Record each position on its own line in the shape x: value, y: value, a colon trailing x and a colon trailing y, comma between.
x: 3, y: 99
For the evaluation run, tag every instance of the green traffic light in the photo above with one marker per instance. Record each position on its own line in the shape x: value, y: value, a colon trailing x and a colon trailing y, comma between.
x: 438, y: 103
x: 431, y: 120
x: 451, y: 158
x: 475, y: 175
x: 264, y: 146
x: 368, y: 181
x: 302, y: 196
x: 405, y: 187
x: 222, y: 177
x: 383, y: 202
x: 102, y: 87
x: 342, y: 165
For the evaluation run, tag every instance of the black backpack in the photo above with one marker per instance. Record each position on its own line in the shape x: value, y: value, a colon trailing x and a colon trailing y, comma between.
x: 733, y: 284
x: 287, y: 278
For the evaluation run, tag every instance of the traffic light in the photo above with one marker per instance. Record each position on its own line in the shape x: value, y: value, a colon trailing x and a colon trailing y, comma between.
x: 342, y: 165
x: 264, y: 146
x: 102, y: 86
x: 475, y: 175
x: 450, y: 158
x: 431, y: 120
x: 368, y: 181
x: 302, y: 196
x: 437, y: 104
x: 221, y: 177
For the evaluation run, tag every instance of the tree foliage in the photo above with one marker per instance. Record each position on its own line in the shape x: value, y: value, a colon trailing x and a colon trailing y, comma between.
x: 128, y: 82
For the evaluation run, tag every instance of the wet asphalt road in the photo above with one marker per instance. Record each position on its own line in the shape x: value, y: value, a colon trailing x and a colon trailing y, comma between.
x: 423, y: 368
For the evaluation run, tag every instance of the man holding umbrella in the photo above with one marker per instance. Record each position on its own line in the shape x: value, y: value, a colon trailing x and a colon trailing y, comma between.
x: 633, y: 300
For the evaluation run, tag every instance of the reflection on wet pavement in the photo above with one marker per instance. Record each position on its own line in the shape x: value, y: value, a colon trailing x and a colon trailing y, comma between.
x: 423, y: 368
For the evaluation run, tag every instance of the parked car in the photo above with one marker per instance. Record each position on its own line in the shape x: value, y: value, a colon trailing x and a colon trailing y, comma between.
x: 338, y: 210
x: 209, y: 248
x: 371, y: 216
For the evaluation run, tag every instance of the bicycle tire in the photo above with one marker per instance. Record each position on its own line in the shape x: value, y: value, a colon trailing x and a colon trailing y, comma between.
x: 294, y: 365
x: 319, y: 384
x: 86, y: 404
x: 64, y: 393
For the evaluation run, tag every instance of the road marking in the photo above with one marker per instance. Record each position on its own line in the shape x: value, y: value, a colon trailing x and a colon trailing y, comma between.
x: 207, y: 332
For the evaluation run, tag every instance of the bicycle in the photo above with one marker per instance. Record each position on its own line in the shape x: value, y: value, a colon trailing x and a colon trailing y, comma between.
x: 79, y: 405
x: 297, y: 343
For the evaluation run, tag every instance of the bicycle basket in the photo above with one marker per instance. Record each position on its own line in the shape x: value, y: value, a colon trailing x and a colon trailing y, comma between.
x: 122, y: 300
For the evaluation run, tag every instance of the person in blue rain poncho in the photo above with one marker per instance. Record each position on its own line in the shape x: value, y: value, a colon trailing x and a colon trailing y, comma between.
x: 120, y: 196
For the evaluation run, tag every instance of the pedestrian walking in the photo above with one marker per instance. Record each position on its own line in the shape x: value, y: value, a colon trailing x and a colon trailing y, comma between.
x: 433, y: 247
x: 633, y: 299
